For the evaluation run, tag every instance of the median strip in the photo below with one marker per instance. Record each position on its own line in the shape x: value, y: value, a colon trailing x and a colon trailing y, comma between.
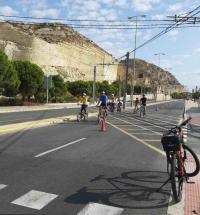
x: 4, y: 129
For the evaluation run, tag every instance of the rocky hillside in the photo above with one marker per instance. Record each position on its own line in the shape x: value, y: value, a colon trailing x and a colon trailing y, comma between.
x: 57, y: 49
x: 151, y: 75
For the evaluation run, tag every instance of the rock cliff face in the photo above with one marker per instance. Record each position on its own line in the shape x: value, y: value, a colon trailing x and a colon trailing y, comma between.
x: 57, y: 49
x: 151, y: 75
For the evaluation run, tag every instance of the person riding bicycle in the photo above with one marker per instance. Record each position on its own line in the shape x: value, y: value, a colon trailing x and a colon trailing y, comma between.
x: 112, y: 102
x: 137, y: 102
x: 143, y: 102
x: 103, y: 101
x: 84, y: 103
x: 119, y: 104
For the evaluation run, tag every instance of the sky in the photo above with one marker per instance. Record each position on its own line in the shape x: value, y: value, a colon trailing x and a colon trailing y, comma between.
x: 181, y: 47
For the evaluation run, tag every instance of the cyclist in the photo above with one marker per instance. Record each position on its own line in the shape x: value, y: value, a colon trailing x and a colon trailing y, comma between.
x: 103, y: 101
x: 112, y: 103
x: 84, y: 103
x: 137, y: 102
x: 143, y: 102
x: 119, y: 104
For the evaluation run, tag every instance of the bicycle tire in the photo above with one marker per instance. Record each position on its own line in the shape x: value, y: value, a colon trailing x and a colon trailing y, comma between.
x: 196, y: 159
x: 142, y: 111
x: 176, y: 180
x: 78, y: 118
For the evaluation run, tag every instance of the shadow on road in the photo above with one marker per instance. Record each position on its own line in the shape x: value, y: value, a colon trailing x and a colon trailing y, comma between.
x: 10, y: 140
x: 131, y: 190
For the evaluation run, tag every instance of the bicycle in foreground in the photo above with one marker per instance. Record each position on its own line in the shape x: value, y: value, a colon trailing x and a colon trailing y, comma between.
x: 102, y: 117
x: 178, y: 156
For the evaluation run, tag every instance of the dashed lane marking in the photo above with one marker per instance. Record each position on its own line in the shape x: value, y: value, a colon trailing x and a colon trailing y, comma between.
x: 145, y: 133
x: 152, y: 140
x: 35, y: 199
x: 100, y: 209
x: 135, y: 129
x: 2, y: 186
x: 138, y: 139
x: 159, y: 120
x: 155, y: 132
x: 151, y: 124
x: 164, y: 115
x: 60, y: 147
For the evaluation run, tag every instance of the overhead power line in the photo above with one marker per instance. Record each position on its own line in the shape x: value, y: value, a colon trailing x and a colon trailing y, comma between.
x: 167, y: 29
x: 170, y: 19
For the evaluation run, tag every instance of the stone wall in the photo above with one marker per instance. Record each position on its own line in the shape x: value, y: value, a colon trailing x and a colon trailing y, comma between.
x: 73, y: 60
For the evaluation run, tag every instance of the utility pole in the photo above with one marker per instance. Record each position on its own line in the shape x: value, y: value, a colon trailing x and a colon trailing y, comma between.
x: 132, y: 81
x: 158, y: 54
x: 135, y: 42
x: 94, y: 85
x: 120, y: 88
x: 126, y: 80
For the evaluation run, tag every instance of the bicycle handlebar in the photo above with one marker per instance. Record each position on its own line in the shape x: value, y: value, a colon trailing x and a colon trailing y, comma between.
x: 178, y: 127
x: 185, y: 122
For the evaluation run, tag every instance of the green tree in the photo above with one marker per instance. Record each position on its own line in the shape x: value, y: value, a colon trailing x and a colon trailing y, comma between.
x: 102, y: 86
x: 58, y: 89
x: 3, y: 66
x: 77, y: 88
x: 31, y: 77
x: 195, y: 95
x: 11, y: 81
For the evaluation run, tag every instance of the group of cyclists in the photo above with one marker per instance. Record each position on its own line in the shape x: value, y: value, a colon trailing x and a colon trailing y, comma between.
x: 112, y: 103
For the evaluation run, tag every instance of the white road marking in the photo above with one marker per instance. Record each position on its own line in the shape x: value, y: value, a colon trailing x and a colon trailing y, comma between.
x: 2, y: 186
x: 99, y: 209
x: 35, y: 199
x: 135, y: 129
x: 145, y: 122
x: 145, y: 133
x: 138, y: 126
x: 164, y: 115
x: 138, y: 139
x: 57, y: 148
x: 152, y: 140
x: 125, y: 125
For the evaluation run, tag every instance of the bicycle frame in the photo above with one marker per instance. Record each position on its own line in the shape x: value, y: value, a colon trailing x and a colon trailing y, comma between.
x: 176, y: 152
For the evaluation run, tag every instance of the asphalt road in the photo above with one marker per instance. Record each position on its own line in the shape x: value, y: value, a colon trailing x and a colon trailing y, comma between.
x: 18, y: 117
x: 122, y: 167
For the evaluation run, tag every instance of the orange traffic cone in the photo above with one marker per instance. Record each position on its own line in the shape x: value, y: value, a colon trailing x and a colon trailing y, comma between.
x: 102, y: 125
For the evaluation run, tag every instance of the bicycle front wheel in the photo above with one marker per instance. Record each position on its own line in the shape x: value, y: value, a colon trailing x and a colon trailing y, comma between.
x: 78, y: 118
x: 176, y: 178
x: 191, y: 162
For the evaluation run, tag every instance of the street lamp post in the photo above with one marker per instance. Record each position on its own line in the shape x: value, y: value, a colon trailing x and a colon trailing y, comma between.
x: 132, y: 81
x: 158, y: 54
x: 168, y: 86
